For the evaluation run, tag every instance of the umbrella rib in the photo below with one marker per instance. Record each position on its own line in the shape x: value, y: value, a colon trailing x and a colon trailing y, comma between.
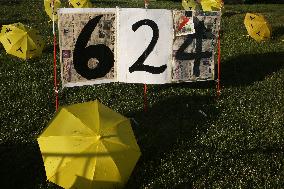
x: 31, y: 40
x: 116, y: 124
x: 111, y: 159
x: 121, y: 144
x: 93, y: 174
x: 90, y: 130
x: 13, y: 44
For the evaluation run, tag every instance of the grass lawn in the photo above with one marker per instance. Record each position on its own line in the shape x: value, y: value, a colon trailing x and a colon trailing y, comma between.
x: 238, y: 144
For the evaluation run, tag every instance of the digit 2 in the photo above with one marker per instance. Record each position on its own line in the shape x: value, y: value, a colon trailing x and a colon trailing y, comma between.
x: 83, y: 54
x: 138, y: 65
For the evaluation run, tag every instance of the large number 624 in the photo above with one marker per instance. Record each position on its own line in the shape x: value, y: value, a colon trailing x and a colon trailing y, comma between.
x: 104, y: 55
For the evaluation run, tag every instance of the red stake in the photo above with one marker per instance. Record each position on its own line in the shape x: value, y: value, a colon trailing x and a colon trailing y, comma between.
x: 54, y: 71
x: 145, y: 98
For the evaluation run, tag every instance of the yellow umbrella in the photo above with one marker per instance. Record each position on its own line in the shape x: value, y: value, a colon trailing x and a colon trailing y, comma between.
x: 257, y: 26
x: 81, y: 3
x: 88, y: 145
x: 21, y: 41
x: 211, y: 5
x: 189, y: 4
x: 1, y: 34
x: 206, y: 5
x: 49, y: 9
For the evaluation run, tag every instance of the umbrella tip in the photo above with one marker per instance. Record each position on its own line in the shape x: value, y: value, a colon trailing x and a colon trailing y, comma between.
x: 99, y: 137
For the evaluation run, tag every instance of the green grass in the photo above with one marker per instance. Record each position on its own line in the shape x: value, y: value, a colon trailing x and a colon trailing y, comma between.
x: 239, y: 144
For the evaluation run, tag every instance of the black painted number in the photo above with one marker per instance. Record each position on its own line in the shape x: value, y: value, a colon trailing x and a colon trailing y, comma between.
x: 83, y: 54
x: 138, y: 65
x: 200, y: 34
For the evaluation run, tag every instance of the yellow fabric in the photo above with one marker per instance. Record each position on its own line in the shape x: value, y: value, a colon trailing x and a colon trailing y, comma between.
x: 88, y: 145
x: 257, y: 26
x: 81, y: 3
x: 211, y: 5
x: 21, y: 41
x: 88, y: 114
x: 189, y: 4
x: 49, y: 10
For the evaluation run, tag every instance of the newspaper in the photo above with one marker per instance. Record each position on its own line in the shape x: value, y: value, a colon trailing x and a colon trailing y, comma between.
x: 194, y: 48
x: 70, y: 26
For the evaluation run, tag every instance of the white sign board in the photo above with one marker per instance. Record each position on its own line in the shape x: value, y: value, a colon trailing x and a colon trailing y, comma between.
x: 153, y: 46
x: 142, y: 34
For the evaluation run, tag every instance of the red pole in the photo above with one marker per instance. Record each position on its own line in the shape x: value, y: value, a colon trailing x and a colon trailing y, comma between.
x: 54, y: 60
x: 146, y: 4
x: 54, y: 71
x: 145, y: 98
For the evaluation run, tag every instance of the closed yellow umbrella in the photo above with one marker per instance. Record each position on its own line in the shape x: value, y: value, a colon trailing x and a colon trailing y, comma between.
x: 257, y: 26
x: 88, y: 146
x: 81, y: 3
x: 49, y: 9
x: 21, y: 41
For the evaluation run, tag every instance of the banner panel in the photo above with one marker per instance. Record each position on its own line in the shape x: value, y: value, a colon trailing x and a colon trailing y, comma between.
x: 145, y: 46
x: 131, y: 45
x: 195, y: 39
x: 87, y: 46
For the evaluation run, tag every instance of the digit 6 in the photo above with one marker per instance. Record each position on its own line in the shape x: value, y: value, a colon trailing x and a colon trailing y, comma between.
x: 83, y: 54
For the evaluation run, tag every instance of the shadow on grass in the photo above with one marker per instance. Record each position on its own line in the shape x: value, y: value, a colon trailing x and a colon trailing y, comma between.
x: 15, y: 19
x: 10, y: 2
x: 175, y: 117
x: 166, y: 126
x: 21, y: 165
x: 190, y: 85
x: 230, y: 13
x: 49, y: 49
x: 174, y: 157
x: 246, y: 69
x: 277, y: 32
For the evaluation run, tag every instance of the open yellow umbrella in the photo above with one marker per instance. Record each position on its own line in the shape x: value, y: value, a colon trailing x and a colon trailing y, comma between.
x: 49, y: 9
x: 205, y: 5
x: 257, y: 26
x: 88, y: 145
x: 81, y: 3
x: 21, y: 41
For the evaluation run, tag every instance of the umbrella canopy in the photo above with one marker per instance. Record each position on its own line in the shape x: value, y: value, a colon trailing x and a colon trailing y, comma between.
x: 257, y: 26
x: 49, y: 10
x: 21, y: 41
x: 81, y: 3
x: 88, y: 145
x: 211, y: 5
x: 206, y: 5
